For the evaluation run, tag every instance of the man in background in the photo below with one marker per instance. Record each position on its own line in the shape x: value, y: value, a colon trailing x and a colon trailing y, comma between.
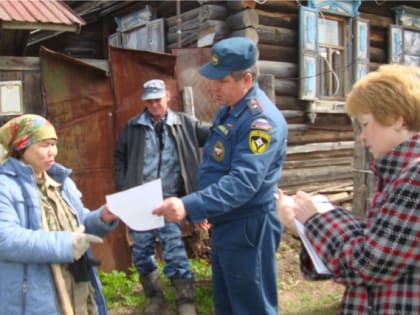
x: 160, y: 143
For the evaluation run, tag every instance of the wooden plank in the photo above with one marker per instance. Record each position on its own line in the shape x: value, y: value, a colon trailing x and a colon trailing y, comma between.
x: 238, y: 5
x: 278, y: 52
x: 19, y: 63
x: 220, y: 28
x: 298, y: 164
x: 203, y: 13
x: 281, y: 6
x: 212, y: 12
x: 313, y: 136
x: 186, y: 16
x: 362, y: 175
x: 266, y: 82
x: 243, y: 19
x: 248, y: 32
x: 317, y: 187
x: 286, y: 87
x: 278, y: 19
x: 292, y: 113
x: 279, y: 69
x: 33, y: 101
x: 294, y: 177
x: 377, y: 19
x: 277, y: 36
x: 319, y: 154
x: 289, y: 102
x: 321, y: 146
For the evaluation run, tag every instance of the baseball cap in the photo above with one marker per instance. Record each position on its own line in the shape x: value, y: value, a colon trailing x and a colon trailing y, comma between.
x: 229, y: 55
x: 153, y: 89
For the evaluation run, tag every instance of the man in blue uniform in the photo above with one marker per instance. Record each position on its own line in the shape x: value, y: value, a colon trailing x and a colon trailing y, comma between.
x: 238, y: 178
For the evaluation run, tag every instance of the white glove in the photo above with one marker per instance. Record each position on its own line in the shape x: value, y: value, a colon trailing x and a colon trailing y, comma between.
x: 81, y: 241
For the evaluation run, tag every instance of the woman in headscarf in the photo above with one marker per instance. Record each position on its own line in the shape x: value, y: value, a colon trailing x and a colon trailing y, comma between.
x: 45, y: 262
x: 377, y: 258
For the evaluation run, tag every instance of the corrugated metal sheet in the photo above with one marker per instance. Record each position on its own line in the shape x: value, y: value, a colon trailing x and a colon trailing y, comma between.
x: 38, y: 12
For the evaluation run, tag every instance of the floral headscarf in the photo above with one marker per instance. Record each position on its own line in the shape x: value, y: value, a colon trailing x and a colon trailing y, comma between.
x: 21, y: 132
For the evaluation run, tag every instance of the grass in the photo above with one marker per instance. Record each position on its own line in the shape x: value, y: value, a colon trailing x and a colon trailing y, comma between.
x: 296, y: 296
x: 123, y: 290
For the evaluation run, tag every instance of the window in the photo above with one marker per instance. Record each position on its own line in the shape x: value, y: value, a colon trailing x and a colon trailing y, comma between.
x: 404, y: 37
x: 331, y: 60
x: 334, y: 53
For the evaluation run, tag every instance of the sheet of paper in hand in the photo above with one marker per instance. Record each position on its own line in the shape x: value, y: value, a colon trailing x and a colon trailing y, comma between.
x: 135, y: 205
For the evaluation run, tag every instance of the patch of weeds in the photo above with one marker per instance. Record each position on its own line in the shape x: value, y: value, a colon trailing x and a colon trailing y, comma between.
x: 281, y: 284
x: 121, y: 289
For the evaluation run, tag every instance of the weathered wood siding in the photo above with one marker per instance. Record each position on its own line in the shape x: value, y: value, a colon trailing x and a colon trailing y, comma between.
x: 25, y: 69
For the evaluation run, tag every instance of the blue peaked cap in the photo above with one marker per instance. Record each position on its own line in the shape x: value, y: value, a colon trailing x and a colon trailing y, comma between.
x: 229, y: 55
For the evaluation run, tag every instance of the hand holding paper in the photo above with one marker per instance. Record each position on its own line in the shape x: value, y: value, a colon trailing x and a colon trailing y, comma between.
x: 307, y: 205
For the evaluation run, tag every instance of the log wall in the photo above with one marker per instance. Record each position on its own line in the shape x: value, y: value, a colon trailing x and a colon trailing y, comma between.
x: 321, y: 155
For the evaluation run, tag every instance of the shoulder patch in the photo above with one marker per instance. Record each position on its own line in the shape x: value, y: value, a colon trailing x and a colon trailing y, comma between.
x: 218, y: 151
x: 259, y: 141
x: 261, y: 124
x: 254, y: 106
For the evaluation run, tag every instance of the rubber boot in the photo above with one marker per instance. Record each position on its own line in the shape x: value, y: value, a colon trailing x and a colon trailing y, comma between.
x: 184, y: 296
x: 153, y: 291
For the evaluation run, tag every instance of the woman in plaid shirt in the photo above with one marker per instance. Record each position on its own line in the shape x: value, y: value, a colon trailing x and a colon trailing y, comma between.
x: 377, y: 258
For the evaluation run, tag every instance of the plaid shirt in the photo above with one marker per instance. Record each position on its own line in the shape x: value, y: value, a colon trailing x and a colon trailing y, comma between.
x: 377, y: 259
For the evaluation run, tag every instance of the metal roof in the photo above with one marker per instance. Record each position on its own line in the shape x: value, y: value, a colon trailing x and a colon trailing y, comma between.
x: 38, y: 14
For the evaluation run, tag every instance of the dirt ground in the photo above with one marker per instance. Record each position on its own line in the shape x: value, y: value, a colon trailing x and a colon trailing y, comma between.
x: 320, y: 297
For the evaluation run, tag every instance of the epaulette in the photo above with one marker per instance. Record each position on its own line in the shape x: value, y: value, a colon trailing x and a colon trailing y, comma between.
x: 254, y: 106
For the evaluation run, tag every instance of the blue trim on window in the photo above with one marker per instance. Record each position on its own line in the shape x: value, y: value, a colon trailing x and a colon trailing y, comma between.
x: 337, y: 6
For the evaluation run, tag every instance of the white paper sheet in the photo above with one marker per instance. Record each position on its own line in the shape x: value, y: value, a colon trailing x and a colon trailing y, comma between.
x: 134, y: 206
x: 316, y: 260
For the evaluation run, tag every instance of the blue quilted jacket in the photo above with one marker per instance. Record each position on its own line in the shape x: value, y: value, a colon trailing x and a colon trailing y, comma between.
x: 26, y: 284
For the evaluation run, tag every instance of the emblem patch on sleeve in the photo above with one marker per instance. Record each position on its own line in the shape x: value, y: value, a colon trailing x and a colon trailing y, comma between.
x: 259, y: 141
x: 262, y: 124
x: 218, y: 151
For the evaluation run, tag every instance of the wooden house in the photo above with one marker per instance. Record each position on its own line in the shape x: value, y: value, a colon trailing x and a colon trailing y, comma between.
x: 311, y: 53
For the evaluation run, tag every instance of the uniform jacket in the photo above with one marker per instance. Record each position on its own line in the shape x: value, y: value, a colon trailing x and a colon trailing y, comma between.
x: 242, y: 161
x: 189, y: 135
x: 377, y: 259
x: 26, y: 250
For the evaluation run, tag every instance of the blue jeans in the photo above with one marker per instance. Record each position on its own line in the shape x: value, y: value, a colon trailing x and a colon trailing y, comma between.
x: 173, y: 250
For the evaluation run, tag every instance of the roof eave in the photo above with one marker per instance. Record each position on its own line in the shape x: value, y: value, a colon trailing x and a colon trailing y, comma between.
x: 75, y: 28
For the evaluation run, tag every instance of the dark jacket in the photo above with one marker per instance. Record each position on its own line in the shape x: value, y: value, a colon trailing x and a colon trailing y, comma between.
x: 189, y: 134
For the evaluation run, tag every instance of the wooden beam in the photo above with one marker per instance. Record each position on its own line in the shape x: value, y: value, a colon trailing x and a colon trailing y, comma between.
x: 19, y: 63
x: 243, y: 19
x: 281, y: 70
x: 321, y: 146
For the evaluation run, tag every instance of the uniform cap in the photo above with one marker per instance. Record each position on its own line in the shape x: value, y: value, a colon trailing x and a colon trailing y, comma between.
x: 153, y: 89
x: 230, y: 55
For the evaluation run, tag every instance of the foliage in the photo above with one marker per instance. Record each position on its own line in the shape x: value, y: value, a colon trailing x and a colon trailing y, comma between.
x: 120, y: 288
x: 123, y: 290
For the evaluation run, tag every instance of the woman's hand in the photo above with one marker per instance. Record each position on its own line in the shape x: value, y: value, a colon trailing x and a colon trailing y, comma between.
x: 107, y: 216
x: 307, y: 206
